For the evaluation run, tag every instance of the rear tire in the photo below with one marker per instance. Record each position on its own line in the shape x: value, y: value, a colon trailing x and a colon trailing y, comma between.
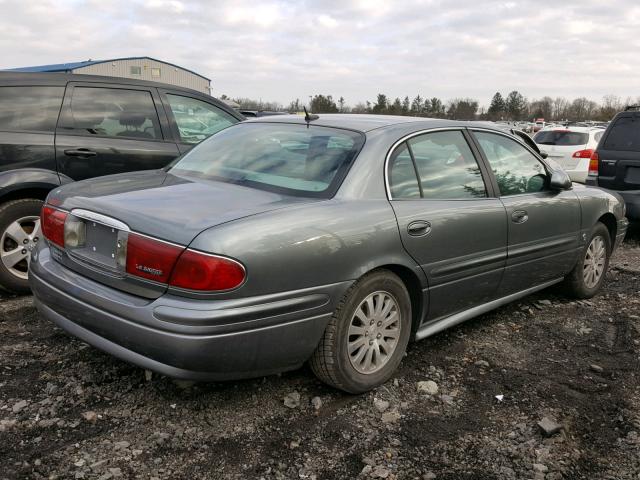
x: 587, y: 277
x: 367, y: 336
x: 19, y: 227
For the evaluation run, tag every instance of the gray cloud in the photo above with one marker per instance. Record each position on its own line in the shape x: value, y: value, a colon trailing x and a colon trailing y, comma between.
x: 281, y: 50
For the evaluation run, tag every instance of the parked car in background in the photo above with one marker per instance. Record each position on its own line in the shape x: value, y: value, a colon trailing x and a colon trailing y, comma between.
x: 56, y: 128
x: 259, y: 113
x: 571, y: 147
x: 615, y: 164
x: 333, y: 239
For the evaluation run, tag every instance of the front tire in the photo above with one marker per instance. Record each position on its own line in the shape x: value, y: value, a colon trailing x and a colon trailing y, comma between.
x: 367, y: 336
x: 587, y: 277
x: 19, y: 232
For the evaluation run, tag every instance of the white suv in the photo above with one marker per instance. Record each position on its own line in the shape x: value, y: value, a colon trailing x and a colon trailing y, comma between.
x: 571, y: 147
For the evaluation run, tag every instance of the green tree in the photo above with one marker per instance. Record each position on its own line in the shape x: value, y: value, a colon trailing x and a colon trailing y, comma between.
x: 462, y: 109
x: 406, y: 106
x: 381, y: 104
x: 516, y: 106
x: 323, y: 104
x: 417, y: 106
x: 434, y: 108
x: 497, y: 107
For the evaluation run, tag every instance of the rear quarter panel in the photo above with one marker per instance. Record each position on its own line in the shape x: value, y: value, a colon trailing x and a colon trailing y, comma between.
x: 310, y: 245
x: 595, y: 203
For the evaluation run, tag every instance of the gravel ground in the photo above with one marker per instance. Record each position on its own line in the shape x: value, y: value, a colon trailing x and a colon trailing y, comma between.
x: 547, y: 388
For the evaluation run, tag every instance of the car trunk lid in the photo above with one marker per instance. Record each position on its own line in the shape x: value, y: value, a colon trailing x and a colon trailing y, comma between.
x: 160, y: 205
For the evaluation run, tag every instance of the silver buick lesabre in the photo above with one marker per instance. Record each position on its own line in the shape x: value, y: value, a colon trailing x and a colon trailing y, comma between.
x: 333, y: 239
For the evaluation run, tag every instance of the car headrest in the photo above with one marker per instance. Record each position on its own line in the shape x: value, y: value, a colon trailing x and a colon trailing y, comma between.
x: 129, y: 118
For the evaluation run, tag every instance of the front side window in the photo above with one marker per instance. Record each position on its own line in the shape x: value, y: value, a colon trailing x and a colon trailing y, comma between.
x: 287, y: 158
x: 30, y: 108
x: 197, y: 120
x: 446, y: 166
x: 516, y: 169
x: 115, y: 112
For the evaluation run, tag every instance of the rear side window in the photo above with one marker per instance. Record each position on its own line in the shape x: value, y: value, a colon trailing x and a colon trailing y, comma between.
x: 624, y: 135
x: 196, y: 119
x: 114, y: 112
x: 446, y: 167
x: 30, y: 108
x: 403, y: 181
x: 561, y: 137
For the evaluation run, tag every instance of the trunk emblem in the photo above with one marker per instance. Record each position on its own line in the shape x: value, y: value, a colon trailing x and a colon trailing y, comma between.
x: 152, y: 271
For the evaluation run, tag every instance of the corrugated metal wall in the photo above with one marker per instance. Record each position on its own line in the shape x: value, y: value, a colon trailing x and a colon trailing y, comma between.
x: 168, y: 73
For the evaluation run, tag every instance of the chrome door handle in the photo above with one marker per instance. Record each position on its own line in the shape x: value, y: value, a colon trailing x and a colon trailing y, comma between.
x: 519, y: 216
x: 419, y: 228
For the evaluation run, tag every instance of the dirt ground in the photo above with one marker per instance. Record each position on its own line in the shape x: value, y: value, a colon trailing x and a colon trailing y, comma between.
x: 70, y: 411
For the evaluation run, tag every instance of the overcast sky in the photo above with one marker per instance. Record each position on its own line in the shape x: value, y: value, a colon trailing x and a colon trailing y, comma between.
x: 353, y: 48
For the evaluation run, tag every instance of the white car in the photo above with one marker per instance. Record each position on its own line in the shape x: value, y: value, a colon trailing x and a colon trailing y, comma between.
x: 571, y: 147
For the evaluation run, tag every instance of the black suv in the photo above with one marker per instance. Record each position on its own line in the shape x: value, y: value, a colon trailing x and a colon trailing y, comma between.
x: 56, y: 128
x: 615, y: 164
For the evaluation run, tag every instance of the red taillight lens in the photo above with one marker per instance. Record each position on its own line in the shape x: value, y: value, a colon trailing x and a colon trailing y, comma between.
x: 52, y: 224
x: 583, y: 153
x: 593, y: 164
x: 199, y: 271
x: 151, y: 259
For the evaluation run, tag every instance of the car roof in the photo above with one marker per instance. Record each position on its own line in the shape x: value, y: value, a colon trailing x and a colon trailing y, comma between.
x: 368, y: 122
x: 55, y: 78
x: 572, y: 128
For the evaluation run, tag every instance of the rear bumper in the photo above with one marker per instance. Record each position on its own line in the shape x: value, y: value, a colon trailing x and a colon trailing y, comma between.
x: 186, y: 338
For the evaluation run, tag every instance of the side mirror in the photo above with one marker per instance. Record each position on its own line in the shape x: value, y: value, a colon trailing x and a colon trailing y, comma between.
x: 543, y: 154
x: 560, y: 181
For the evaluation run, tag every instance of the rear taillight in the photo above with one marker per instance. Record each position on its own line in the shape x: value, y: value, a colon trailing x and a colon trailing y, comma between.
x: 201, y: 271
x: 583, y: 153
x: 151, y: 259
x: 52, y: 224
x: 594, y: 164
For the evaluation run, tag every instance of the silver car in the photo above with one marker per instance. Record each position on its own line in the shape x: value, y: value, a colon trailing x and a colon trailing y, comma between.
x: 333, y: 240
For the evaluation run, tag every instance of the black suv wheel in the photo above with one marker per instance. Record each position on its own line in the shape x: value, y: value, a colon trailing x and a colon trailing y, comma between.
x: 19, y: 233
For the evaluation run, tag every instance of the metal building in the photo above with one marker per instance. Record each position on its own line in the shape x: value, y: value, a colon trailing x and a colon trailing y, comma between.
x: 143, y: 68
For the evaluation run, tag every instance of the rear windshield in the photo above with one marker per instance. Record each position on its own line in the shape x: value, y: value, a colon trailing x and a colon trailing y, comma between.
x: 561, y: 137
x: 286, y: 158
x: 624, y: 135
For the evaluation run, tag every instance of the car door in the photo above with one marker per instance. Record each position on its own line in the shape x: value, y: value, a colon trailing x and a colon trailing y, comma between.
x: 194, y: 119
x: 106, y: 129
x: 544, y: 225
x: 449, y: 220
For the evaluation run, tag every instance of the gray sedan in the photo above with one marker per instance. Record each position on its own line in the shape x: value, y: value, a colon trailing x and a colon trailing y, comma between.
x: 333, y: 240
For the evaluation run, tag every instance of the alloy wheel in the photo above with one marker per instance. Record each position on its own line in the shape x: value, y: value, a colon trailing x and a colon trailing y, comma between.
x: 374, y: 332
x: 16, y: 243
x: 594, y: 262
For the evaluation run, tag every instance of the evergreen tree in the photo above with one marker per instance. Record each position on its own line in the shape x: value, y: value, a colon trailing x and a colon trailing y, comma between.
x: 516, y: 106
x: 406, y: 105
x: 381, y: 104
x: 323, y: 104
x: 417, y: 106
x: 497, y: 107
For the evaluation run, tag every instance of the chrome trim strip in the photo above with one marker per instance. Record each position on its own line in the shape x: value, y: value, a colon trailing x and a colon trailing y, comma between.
x: 99, y: 218
x: 447, y: 322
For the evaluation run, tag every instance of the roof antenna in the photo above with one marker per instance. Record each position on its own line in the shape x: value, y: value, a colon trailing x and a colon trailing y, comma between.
x: 309, y: 117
